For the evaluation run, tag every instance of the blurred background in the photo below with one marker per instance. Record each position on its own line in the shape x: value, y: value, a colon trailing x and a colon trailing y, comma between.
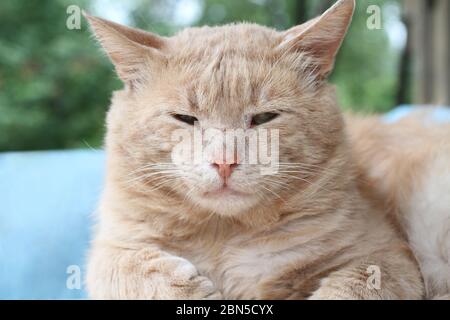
x: 55, y: 84
x: 55, y: 87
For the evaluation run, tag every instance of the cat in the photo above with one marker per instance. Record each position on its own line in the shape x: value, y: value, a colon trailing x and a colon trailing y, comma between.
x: 220, y: 229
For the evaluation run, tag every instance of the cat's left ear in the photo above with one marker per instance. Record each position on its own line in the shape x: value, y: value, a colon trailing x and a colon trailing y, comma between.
x: 136, y: 54
x: 321, y: 37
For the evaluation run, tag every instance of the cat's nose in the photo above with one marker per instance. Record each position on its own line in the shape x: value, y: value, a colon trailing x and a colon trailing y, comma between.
x: 225, y: 169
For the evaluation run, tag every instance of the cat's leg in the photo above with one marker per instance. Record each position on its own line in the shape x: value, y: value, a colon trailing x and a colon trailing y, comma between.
x: 372, y: 279
x: 115, y: 273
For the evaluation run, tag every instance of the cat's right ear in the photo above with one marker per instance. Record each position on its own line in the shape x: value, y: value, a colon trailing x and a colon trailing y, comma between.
x: 321, y: 37
x: 135, y: 54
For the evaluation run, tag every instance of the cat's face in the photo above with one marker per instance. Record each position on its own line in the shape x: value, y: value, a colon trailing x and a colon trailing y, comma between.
x: 186, y: 94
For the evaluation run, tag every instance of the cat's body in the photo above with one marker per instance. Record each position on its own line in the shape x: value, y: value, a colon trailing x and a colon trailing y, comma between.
x: 406, y: 165
x: 286, y: 259
x: 223, y: 230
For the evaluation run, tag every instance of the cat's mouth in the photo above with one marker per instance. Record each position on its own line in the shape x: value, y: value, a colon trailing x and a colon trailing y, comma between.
x: 224, y: 191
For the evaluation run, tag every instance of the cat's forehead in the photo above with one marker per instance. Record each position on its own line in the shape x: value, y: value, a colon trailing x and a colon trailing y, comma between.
x: 225, y: 66
x: 236, y: 39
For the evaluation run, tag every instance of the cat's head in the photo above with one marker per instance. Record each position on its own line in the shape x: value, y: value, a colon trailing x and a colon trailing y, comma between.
x: 237, y: 78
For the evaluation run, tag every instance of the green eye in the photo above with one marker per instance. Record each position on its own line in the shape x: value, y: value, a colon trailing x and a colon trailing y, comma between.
x: 185, y: 118
x: 263, y: 118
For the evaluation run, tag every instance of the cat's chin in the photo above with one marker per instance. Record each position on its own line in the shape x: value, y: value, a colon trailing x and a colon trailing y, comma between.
x: 225, y: 192
x: 227, y: 202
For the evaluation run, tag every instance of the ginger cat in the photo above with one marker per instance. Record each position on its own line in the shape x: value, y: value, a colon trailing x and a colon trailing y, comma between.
x: 221, y: 229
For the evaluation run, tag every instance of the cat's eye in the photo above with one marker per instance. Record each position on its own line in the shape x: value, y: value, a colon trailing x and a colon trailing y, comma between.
x: 190, y: 120
x: 262, y: 118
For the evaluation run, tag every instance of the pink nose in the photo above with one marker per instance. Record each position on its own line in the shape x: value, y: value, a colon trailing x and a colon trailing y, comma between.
x: 225, y: 169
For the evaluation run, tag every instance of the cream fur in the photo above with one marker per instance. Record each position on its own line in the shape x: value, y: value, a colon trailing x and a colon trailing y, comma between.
x: 407, y: 164
x: 313, y: 231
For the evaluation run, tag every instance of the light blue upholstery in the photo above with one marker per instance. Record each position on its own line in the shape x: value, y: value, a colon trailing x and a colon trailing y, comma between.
x: 46, y: 205
x: 433, y: 115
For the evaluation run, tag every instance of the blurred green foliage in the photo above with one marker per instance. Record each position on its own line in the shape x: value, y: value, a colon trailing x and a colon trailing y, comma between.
x: 55, y: 84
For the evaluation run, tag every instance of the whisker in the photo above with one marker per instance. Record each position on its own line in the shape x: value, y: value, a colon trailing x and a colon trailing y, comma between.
x: 274, y: 193
x: 153, y: 166
x: 278, y: 184
x: 149, y: 175
x: 303, y: 179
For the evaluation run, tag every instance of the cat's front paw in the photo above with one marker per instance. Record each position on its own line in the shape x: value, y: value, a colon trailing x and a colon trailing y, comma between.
x: 176, y: 278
